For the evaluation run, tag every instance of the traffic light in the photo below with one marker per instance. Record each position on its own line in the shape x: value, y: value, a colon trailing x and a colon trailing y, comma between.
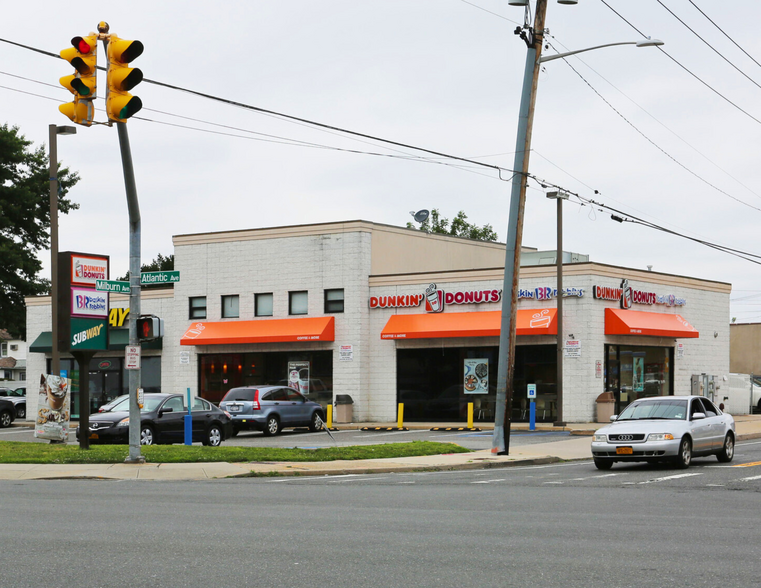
x: 149, y: 328
x: 82, y: 55
x: 120, y: 104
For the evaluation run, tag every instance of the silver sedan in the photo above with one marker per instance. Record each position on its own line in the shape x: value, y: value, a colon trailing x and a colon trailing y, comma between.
x: 665, y: 428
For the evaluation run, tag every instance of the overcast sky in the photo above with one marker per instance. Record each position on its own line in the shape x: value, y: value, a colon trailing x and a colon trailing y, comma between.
x: 634, y: 129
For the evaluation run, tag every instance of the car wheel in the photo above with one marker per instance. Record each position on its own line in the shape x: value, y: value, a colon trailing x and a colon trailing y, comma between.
x: 684, y: 457
x: 728, y: 450
x: 316, y: 423
x: 603, y: 464
x: 147, y: 436
x: 213, y: 436
x: 21, y: 411
x: 272, y: 427
x: 5, y: 419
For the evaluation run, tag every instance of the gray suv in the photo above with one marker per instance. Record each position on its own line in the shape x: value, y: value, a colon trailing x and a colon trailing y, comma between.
x: 270, y: 409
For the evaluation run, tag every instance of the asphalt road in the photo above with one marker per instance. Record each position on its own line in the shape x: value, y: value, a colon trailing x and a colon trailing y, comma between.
x: 566, y: 525
x: 473, y: 440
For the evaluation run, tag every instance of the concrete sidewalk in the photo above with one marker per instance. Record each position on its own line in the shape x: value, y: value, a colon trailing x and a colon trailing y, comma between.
x: 575, y: 447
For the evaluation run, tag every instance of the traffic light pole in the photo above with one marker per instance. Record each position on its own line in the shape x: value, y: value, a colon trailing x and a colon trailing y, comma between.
x: 134, y: 289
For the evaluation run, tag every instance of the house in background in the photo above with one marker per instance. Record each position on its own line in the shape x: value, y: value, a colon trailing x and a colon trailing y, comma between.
x: 12, y: 360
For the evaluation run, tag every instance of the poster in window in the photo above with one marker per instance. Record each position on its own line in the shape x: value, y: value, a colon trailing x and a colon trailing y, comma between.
x: 638, y: 374
x: 476, y: 376
x: 298, y: 376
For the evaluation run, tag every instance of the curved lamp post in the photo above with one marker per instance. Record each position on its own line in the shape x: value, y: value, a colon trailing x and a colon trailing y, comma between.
x: 534, y: 38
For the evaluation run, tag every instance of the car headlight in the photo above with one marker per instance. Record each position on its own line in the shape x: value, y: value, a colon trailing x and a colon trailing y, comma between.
x: 123, y: 423
x: 602, y: 437
x: 660, y: 437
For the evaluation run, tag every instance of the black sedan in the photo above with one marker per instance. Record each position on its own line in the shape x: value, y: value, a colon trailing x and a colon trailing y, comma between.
x: 162, y: 420
x: 7, y: 412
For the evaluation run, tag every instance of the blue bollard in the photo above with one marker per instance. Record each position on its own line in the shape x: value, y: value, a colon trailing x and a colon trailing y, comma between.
x: 532, y: 416
x: 188, y: 429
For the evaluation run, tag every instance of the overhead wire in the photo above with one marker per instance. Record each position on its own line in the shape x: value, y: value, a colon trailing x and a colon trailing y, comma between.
x: 724, y: 33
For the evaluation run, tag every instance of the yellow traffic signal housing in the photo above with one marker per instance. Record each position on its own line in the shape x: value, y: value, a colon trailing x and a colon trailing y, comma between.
x: 120, y: 104
x: 82, y: 55
x: 79, y: 111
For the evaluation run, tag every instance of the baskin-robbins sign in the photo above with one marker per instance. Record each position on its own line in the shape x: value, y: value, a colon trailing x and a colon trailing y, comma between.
x: 86, y: 270
x: 548, y: 293
x: 436, y: 299
x: 625, y: 295
x: 89, y: 303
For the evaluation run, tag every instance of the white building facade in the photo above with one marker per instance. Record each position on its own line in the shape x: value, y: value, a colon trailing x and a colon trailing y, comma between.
x: 388, y: 315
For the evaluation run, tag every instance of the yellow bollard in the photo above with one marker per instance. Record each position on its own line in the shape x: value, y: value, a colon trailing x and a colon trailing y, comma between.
x: 400, y: 417
x: 470, y: 415
x: 329, y: 424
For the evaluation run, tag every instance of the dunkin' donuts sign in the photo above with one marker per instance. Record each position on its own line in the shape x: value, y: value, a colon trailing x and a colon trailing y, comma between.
x: 435, y: 299
x: 625, y: 295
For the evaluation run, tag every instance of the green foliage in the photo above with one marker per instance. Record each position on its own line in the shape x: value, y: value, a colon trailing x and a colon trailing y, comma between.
x: 460, y: 227
x: 160, y: 264
x: 25, y: 222
x: 21, y: 452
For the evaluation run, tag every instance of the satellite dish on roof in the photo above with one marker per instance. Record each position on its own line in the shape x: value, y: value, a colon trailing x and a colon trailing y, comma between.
x: 420, y: 216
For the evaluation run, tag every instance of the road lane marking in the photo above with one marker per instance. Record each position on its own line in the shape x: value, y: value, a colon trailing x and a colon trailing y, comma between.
x: 749, y: 479
x: 747, y: 465
x: 666, y: 478
x: 386, y: 434
x: 488, y: 481
x: 592, y: 477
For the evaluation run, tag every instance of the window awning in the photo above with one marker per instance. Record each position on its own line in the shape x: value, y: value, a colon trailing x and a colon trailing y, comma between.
x: 118, y: 339
x: 654, y: 324
x: 262, y: 331
x: 468, y: 324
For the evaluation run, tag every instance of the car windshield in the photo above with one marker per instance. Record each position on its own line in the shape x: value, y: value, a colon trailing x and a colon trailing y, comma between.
x: 655, y: 409
x: 118, y: 405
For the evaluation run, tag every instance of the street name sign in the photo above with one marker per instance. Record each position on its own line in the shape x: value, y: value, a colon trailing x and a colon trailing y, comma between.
x: 150, y: 278
x: 112, y: 286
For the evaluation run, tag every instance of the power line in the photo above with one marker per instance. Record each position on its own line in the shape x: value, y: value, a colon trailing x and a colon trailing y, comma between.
x: 723, y: 33
x: 672, y: 13
x: 694, y: 75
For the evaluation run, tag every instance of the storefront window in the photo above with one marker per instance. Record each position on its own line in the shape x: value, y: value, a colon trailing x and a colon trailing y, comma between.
x: 298, y: 303
x: 638, y: 372
x: 438, y: 384
x: 221, y: 372
x: 230, y: 306
x: 263, y: 304
x: 108, y: 379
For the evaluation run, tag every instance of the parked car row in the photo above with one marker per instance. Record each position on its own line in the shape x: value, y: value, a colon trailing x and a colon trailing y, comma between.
x: 162, y: 418
x: 7, y: 412
x: 18, y: 397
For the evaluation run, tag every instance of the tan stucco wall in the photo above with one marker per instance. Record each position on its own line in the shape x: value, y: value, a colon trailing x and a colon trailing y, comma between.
x: 745, y: 348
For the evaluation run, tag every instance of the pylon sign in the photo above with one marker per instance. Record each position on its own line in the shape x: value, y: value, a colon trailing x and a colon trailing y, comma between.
x: 82, y: 55
x: 120, y: 104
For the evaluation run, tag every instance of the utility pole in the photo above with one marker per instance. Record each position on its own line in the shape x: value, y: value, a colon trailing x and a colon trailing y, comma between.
x: 559, y: 195
x: 534, y: 37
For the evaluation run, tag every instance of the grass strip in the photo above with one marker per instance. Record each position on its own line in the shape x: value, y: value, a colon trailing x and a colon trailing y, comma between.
x: 37, y: 453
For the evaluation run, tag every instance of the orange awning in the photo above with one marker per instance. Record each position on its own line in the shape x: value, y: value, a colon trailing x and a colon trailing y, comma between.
x: 263, y: 331
x: 468, y: 324
x: 655, y: 324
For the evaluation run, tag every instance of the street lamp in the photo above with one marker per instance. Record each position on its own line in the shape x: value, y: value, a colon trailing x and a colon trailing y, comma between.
x: 559, y: 195
x: 54, y: 131
x: 534, y: 38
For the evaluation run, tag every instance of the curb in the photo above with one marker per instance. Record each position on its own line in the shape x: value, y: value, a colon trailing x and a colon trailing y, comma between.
x: 384, y: 429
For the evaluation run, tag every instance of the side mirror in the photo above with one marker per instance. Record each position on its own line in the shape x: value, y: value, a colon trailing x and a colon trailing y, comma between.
x: 698, y: 415
x: 163, y: 410
x: 613, y: 417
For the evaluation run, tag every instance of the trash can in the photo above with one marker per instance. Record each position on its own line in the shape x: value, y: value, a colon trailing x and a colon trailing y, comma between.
x: 344, y: 408
x: 606, y: 407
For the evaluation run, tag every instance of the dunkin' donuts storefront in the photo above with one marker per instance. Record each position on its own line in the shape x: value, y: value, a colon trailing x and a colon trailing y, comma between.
x: 388, y: 314
x: 621, y: 334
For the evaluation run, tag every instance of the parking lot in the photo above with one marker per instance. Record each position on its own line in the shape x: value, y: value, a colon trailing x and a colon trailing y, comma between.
x: 474, y: 440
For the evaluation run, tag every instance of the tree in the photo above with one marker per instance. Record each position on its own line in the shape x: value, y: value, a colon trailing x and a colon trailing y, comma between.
x: 460, y: 227
x: 25, y: 222
x: 160, y: 264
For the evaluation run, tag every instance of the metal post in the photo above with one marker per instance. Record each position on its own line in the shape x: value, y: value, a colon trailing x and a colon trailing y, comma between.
x: 559, y: 196
x: 134, y: 290
x: 506, y: 365
x: 55, y: 364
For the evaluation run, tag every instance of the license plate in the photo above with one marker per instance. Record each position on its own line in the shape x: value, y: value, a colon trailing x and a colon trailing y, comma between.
x: 93, y: 436
x: 624, y: 451
x: 233, y: 408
